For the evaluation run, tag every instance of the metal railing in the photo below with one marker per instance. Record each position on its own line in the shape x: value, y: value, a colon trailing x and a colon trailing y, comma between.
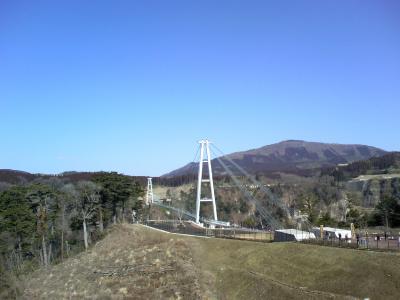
x: 361, y: 241
x: 364, y: 241
x: 190, y: 228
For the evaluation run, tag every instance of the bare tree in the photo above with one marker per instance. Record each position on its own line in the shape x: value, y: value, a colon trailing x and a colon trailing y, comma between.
x: 68, y: 196
x: 180, y: 206
x: 42, y: 227
x: 87, y: 203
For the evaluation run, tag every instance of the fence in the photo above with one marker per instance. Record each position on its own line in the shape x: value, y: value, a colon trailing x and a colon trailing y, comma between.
x: 364, y: 241
x: 389, y: 242
x: 191, y: 228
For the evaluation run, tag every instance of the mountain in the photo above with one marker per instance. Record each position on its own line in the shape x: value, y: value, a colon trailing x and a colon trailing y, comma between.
x: 292, y: 156
x: 15, y: 177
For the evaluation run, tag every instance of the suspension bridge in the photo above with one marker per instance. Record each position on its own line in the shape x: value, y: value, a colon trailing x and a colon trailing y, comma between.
x: 263, y: 201
x: 205, y: 186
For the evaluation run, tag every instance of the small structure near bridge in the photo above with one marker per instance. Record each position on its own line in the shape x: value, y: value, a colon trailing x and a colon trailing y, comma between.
x: 287, y: 235
x: 332, y: 233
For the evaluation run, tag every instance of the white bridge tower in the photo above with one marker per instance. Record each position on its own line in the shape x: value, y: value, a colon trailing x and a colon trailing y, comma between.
x: 205, y: 146
x: 149, y: 192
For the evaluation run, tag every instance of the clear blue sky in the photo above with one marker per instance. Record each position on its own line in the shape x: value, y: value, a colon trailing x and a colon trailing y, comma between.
x: 131, y: 86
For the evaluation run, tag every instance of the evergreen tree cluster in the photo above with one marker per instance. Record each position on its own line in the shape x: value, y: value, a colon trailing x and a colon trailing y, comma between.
x: 46, y: 220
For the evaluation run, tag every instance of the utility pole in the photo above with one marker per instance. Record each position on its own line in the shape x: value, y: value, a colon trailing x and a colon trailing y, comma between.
x: 149, y: 192
x: 205, y: 151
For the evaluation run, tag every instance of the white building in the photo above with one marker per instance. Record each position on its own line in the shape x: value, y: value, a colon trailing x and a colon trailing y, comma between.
x: 285, y: 235
x: 333, y: 232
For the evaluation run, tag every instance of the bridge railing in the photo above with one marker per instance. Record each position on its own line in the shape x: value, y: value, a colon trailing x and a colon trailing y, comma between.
x: 190, y: 228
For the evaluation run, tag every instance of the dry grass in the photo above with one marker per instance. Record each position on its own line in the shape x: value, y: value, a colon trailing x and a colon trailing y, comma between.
x: 246, y: 270
x: 259, y: 236
x: 134, y: 262
x: 127, y: 264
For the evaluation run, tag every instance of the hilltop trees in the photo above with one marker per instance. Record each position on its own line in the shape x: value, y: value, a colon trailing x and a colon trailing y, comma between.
x: 17, y: 221
x: 374, y: 165
x: 66, y: 206
x: 389, y: 211
x: 87, y: 201
x: 38, y: 221
x: 116, y: 191
x: 307, y: 203
x: 43, y: 200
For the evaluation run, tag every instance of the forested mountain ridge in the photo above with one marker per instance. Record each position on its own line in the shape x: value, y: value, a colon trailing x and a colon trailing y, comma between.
x: 388, y: 163
x: 365, y: 192
x: 292, y: 156
x: 20, y: 177
x: 15, y: 176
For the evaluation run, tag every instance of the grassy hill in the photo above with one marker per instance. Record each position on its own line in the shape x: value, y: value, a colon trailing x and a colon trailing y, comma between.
x: 134, y: 262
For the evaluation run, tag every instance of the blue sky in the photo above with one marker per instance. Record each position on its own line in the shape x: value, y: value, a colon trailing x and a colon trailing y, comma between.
x: 131, y: 86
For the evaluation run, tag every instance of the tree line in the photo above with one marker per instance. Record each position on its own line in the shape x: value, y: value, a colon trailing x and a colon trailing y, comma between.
x: 374, y: 165
x: 44, y: 221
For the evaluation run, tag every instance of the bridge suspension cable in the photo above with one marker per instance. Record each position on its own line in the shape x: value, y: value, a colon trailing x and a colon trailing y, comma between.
x: 271, y: 197
x: 263, y: 188
x: 249, y: 197
x: 226, y: 162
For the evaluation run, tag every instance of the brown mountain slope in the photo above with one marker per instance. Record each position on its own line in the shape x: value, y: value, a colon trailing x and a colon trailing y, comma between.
x: 291, y: 157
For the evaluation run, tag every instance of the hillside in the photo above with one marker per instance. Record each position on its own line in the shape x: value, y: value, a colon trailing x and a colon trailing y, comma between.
x: 15, y: 177
x: 20, y: 177
x: 129, y: 263
x: 133, y: 262
x: 291, y: 156
x: 368, y: 181
x: 386, y: 164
